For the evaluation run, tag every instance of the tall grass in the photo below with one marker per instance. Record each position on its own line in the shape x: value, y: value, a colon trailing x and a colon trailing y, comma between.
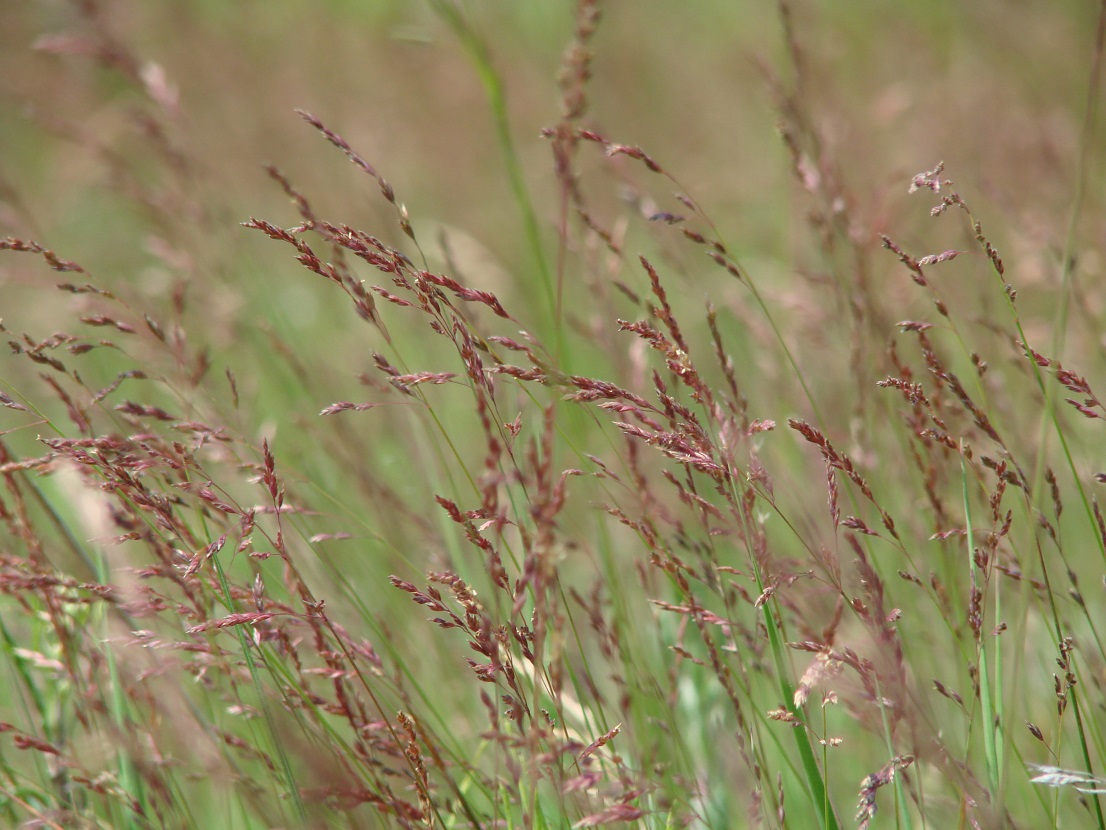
x: 649, y: 523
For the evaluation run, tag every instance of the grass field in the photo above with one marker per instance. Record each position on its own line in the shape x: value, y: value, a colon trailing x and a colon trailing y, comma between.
x: 425, y: 413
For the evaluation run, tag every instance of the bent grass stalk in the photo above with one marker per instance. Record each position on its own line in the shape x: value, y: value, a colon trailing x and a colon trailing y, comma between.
x: 815, y: 784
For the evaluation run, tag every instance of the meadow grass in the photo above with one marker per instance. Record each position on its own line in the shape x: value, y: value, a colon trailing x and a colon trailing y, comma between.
x: 538, y: 478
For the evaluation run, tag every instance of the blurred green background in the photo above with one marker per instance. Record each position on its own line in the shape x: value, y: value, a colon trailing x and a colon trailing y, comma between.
x: 996, y: 90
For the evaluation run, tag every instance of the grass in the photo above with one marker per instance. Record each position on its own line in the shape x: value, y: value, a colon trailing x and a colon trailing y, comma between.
x: 551, y: 419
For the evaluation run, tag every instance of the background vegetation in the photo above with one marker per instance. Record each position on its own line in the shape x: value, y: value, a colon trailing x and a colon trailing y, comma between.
x: 632, y: 432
